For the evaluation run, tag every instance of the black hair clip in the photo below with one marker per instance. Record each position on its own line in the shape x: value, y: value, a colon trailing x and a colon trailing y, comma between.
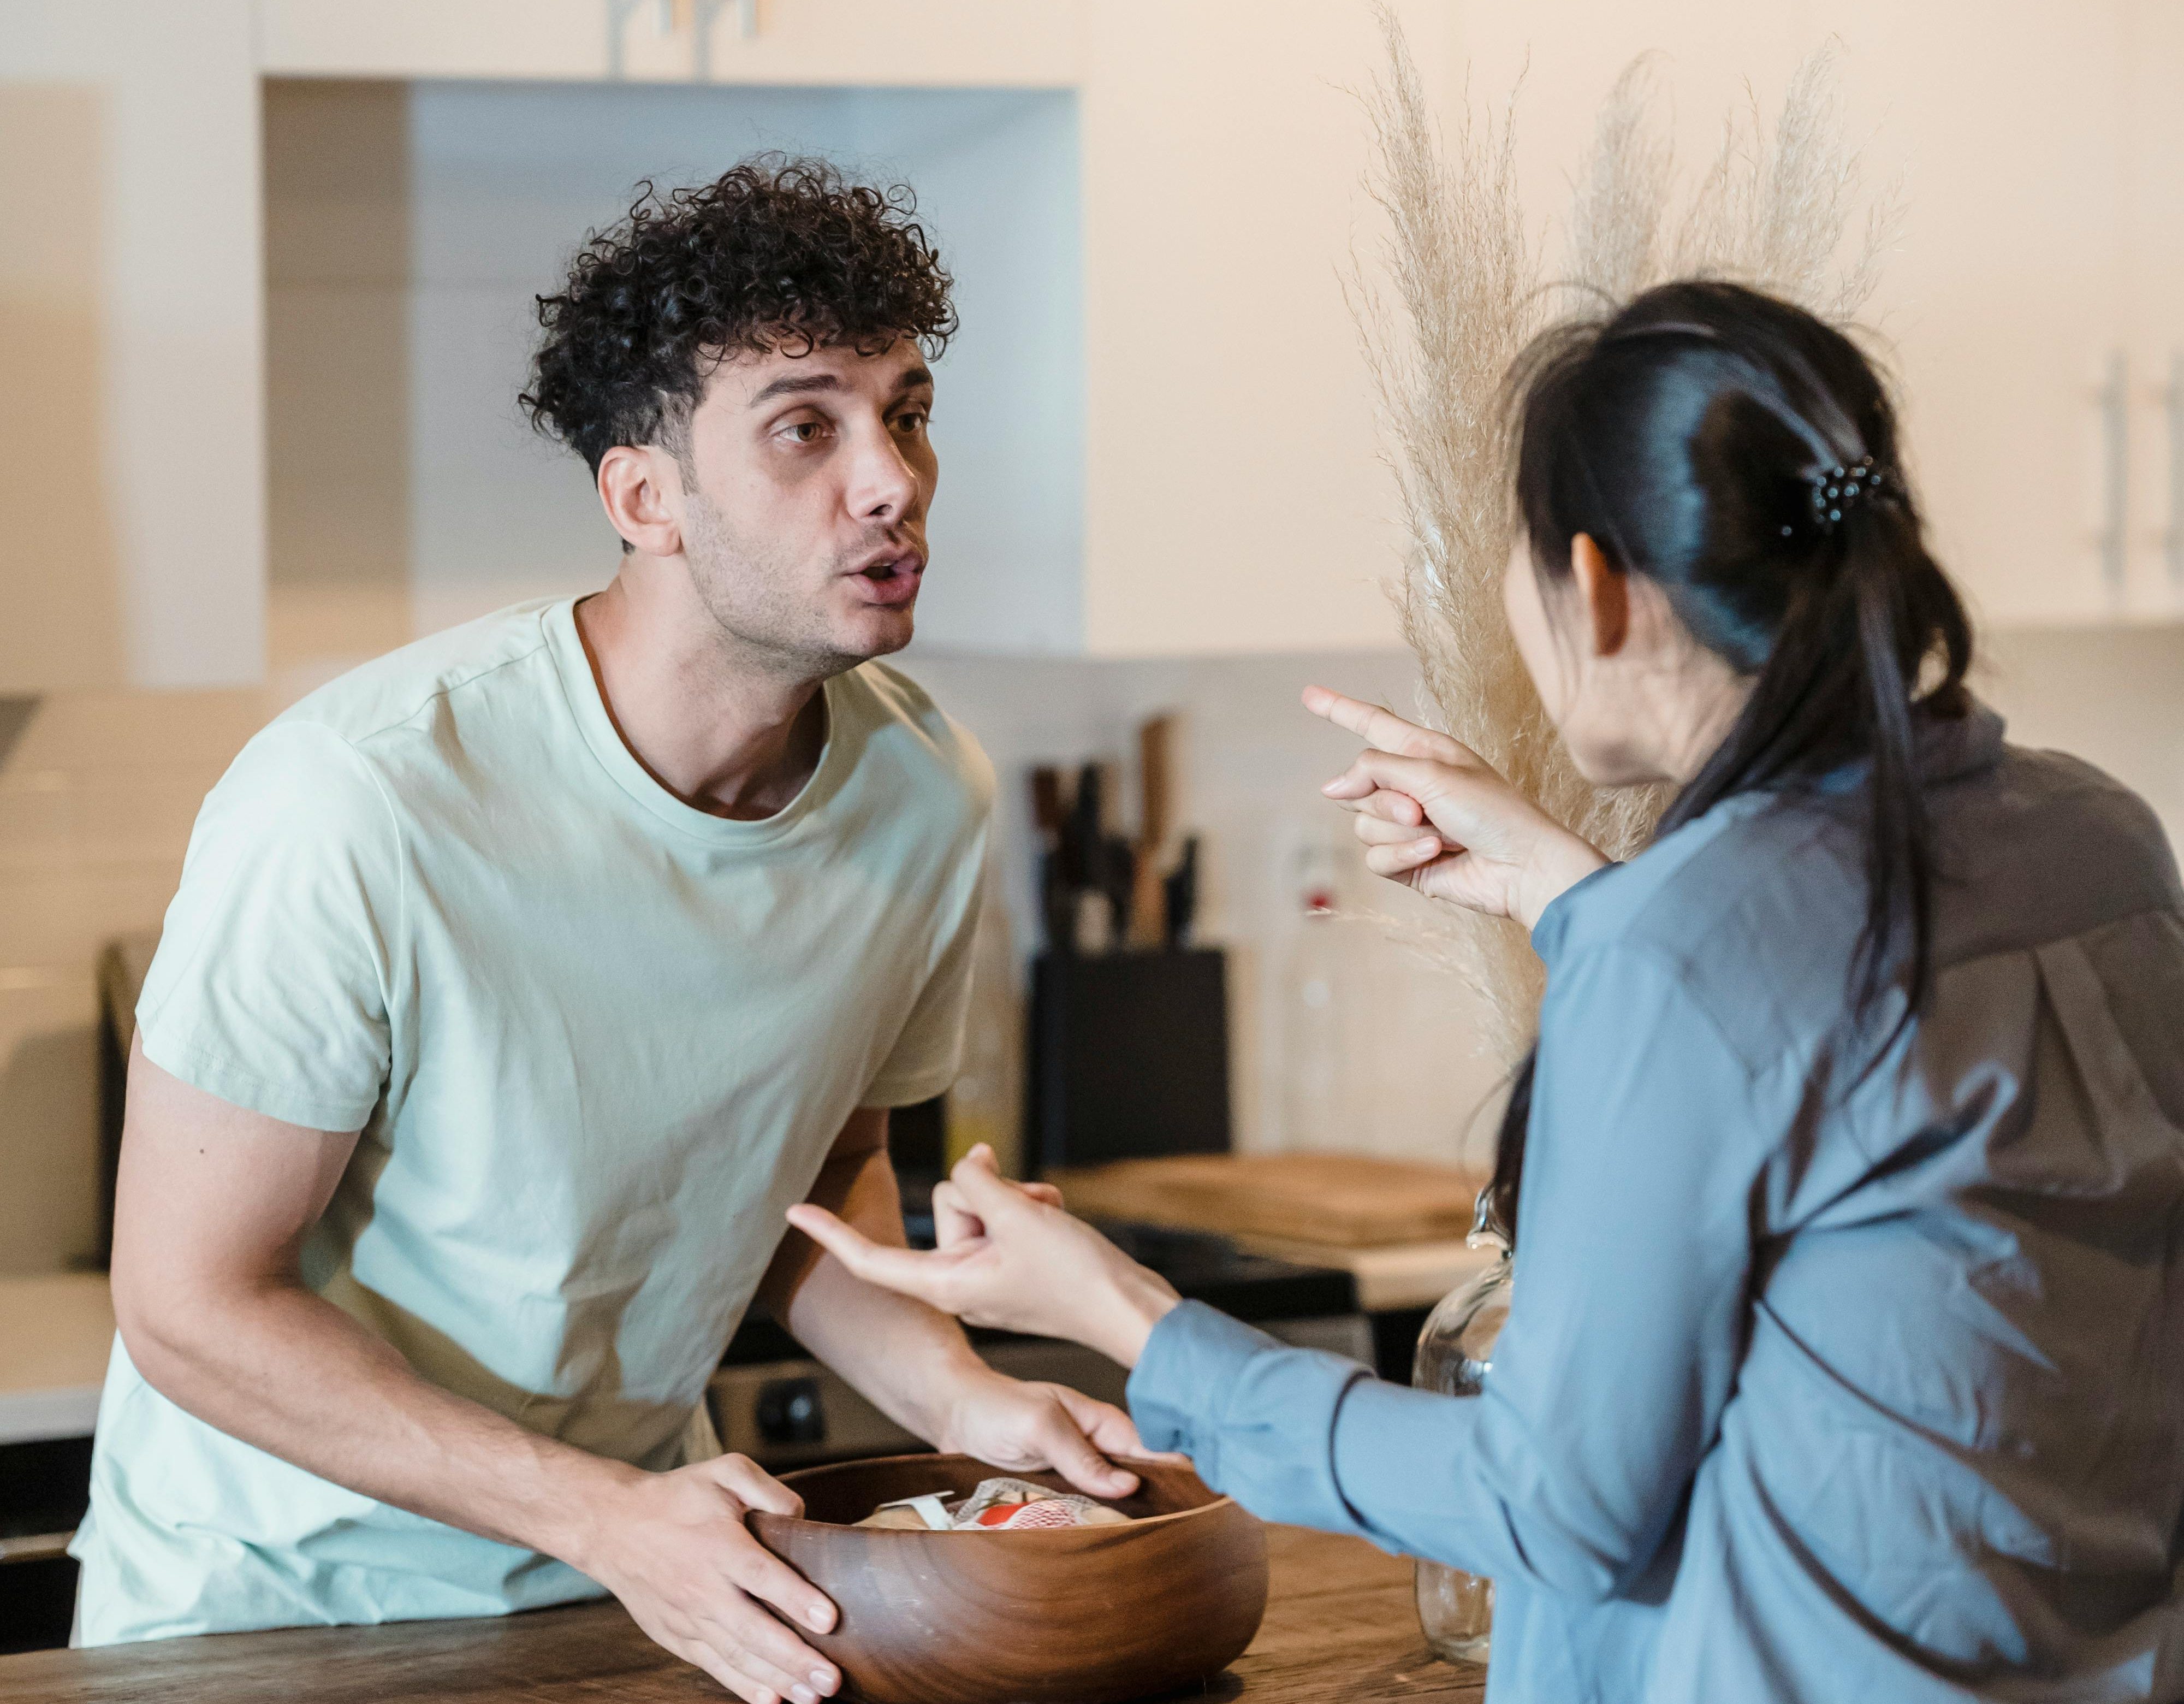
x: 1835, y: 489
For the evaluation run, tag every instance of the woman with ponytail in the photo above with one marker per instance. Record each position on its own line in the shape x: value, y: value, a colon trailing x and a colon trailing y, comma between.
x: 1846, y: 1360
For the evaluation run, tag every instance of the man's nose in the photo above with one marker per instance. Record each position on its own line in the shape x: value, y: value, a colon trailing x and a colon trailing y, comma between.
x: 882, y: 485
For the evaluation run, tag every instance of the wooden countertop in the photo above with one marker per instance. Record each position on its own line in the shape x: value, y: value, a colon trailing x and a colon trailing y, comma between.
x: 1339, y: 1629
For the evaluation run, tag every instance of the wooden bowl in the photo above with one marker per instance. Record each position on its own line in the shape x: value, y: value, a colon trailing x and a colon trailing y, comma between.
x: 1082, y: 1615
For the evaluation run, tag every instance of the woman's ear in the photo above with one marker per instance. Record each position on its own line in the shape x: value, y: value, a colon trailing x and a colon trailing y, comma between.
x: 1604, y: 594
x: 641, y: 488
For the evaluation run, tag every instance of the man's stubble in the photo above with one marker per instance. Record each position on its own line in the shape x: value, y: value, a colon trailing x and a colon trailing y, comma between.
x: 764, y: 602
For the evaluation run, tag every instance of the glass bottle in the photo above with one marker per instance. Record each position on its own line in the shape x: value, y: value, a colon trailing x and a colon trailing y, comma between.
x: 1455, y: 1354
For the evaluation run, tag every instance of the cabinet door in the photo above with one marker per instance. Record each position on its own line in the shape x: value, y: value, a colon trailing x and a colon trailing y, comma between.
x: 2006, y: 301
x: 1234, y: 497
x: 130, y: 496
x: 2153, y: 259
x: 882, y: 43
x: 2001, y: 306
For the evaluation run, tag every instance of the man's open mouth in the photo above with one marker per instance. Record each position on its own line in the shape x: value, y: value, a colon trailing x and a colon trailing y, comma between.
x: 892, y: 579
x: 887, y: 567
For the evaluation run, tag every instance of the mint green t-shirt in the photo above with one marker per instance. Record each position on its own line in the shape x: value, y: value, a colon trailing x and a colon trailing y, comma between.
x: 596, y: 1042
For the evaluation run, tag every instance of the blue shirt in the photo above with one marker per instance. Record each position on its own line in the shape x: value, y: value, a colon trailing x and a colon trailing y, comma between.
x: 1817, y: 1386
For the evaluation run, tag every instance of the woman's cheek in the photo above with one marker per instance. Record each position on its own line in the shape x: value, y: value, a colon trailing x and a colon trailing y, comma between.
x: 1543, y: 659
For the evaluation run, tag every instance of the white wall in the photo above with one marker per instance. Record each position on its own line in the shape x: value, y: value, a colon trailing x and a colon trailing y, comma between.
x: 2114, y: 697
x: 96, y: 798
x: 1249, y: 763
x: 96, y: 801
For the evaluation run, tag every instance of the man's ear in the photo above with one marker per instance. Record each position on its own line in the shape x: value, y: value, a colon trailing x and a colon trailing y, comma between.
x: 1604, y: 593
x: 641, y: 490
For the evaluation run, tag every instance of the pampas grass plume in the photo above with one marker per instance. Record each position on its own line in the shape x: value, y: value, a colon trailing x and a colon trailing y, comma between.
x: 1459, y: 294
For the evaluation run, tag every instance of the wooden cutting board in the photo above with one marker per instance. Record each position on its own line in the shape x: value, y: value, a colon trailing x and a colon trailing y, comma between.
x: 1351, y: 1200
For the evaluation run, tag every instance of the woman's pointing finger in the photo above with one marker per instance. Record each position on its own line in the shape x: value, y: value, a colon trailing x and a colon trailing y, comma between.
x: 1381, y: 728
x: 912, y: 1274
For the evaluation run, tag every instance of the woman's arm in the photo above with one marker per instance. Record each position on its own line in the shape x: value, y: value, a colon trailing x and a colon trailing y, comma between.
x: 1009, y: 1258
x: 911, y: 1360
x: 1626, y: 1326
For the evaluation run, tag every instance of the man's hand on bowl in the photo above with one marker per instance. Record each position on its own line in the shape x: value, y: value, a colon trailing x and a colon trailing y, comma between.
x: 1009, y: 1258
x: 1025, y: 1426
x: 674, y: 1548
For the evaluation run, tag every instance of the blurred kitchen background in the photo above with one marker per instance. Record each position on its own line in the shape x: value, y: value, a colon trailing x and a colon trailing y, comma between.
x: 265, y: 296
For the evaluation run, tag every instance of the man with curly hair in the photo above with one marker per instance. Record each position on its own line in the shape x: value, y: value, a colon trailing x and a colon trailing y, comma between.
x: 519, y: 981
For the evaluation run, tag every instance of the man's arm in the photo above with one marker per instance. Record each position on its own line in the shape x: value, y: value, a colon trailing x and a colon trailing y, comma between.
x: 912, y: 1362
x: 212, y: 1209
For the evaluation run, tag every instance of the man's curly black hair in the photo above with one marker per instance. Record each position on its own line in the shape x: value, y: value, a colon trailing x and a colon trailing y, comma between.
x: 776, y: 254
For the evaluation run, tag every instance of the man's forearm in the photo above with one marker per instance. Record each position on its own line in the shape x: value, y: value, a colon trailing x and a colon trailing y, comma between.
x: 912, y: 1362
x: 289, y: 1372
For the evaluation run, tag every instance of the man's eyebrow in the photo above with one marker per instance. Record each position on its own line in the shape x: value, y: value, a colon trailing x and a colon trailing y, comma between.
x: 793, y: 384
x: 790, y: 384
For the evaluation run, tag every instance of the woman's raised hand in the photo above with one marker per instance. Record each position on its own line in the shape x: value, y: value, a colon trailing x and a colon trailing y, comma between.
x: 1009, y: 1257
x: 1436, y: 815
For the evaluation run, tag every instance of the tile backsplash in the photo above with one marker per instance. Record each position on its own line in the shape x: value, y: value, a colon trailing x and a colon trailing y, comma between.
x: 98, y: 790
x: 97, y: 798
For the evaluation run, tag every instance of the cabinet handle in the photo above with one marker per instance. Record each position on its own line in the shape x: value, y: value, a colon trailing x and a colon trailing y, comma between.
x: 2172, y: 541
x: 671, y: 15
x: 701, y: 33
x: 618, y: 17
x: 2114, y: 399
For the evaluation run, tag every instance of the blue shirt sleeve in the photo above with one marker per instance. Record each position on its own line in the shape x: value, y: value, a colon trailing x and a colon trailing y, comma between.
x: 1626, y: 1325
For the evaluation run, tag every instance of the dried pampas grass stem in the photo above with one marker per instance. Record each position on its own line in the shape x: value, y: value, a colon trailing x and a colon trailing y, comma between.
x: 1458, y: 294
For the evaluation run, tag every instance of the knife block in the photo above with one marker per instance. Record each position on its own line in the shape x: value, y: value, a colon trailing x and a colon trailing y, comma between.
x: 1128, y: 1057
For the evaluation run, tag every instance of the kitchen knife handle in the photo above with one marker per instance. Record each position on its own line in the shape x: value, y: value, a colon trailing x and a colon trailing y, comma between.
x: 1181, y: 890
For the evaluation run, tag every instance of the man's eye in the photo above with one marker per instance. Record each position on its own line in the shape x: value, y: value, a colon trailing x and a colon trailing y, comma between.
x: 910, y: 420
x: 806, y: 431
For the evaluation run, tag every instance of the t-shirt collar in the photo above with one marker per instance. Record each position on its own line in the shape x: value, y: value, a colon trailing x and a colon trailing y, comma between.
x: 582, y: 688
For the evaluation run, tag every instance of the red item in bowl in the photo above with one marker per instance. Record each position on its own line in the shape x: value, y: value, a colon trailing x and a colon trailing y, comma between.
x: 1054, y: 1512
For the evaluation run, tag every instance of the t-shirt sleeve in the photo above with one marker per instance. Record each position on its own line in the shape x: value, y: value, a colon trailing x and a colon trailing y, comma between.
x: 929, y: 1052
x: 270, y: 989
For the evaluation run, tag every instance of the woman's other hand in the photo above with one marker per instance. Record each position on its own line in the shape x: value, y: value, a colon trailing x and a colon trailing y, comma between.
x: 1436, y: 815
x: 1009, y: 1258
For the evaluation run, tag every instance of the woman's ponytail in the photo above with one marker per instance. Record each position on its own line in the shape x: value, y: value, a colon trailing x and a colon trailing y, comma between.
x: 1744, y: 455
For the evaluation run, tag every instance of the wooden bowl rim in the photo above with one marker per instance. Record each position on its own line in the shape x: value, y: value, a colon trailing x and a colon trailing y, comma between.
x: 1221, y: 1500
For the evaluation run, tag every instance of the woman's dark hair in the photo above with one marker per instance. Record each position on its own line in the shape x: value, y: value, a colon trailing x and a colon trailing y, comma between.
x: 776, y: 253
x: 1743, y: 455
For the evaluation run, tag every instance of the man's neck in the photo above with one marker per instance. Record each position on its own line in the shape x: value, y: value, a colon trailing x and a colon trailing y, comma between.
x: 723, y: 733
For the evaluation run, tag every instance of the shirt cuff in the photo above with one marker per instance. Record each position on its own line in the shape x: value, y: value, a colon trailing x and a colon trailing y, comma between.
x: 1256, y: 1417
x: 1553, y: 922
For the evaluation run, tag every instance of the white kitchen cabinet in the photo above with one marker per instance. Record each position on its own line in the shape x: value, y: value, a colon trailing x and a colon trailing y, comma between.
x: 1232, y: 496
x: 879, y: 44
x: 1201, y: 442
x: 2154, y: 286
x: 2017, y: 134
x: 1155, y: 436
x: 132, y: 448
x: 1235, y: 499
x: 2008, y: 298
